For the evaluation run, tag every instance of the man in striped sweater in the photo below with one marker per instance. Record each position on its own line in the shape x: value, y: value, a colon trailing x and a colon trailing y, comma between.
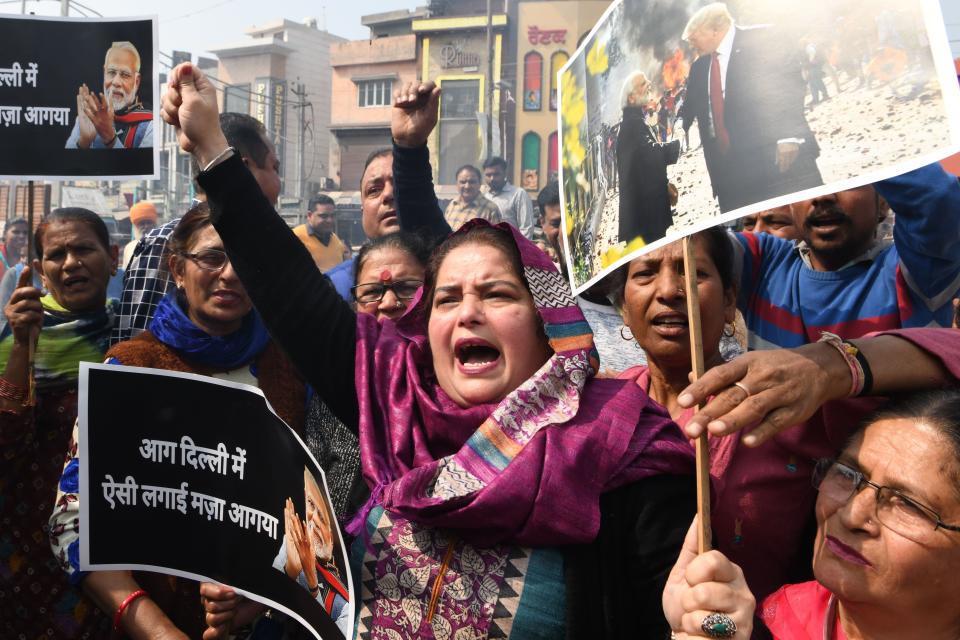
x: 840, y: 277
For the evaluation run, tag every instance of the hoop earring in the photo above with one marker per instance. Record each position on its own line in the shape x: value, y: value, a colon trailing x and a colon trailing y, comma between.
x: 729, y: 330
x: 631, y: 338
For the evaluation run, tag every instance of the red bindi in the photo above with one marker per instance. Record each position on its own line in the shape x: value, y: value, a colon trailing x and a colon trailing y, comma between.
x: 385, y: 275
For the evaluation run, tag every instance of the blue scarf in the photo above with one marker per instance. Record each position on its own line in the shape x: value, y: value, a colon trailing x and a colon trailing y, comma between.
x: 172, y: 327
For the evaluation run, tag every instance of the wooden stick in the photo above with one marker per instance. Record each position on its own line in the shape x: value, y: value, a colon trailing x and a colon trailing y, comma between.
x: 704, y: 537
x: 31, y: 387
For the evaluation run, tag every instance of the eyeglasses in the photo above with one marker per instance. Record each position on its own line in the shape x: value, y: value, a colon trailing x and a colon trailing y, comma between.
x: 208, y: 259
x: 370, y: 292
x: 902, y: 515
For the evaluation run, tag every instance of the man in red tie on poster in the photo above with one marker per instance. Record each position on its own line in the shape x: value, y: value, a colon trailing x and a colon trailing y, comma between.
x: 746, y: 92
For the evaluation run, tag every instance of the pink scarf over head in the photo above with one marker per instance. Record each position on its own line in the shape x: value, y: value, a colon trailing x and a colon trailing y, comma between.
x: 528, y: 470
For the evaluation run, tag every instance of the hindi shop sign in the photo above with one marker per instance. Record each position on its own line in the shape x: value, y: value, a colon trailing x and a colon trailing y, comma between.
x: 196, y: 477
x: 78, y: 98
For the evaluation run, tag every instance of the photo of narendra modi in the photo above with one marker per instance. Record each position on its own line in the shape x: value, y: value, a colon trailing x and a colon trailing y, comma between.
x: 78, y: 98
x: 309, y: 552
x: 678, y: 115
x: 116, y: 118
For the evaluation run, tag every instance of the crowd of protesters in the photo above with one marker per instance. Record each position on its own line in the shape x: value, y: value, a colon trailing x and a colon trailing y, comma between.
x: 537, y: 445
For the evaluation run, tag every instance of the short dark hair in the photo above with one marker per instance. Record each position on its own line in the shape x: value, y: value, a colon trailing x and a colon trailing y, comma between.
x: 320, y: 198
x: 12, y: 222
x: 495, y: 161
x: 469, y: 167
x: 409, y: 243
x: 549, y: 196
x: 72, y: 214
x: 244, y: 133
x: 719, y: 247
x: 247, y: 135
x: 376, y: 153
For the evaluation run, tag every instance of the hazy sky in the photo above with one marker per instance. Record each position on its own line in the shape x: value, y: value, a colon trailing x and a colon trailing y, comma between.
x: 196, y: 25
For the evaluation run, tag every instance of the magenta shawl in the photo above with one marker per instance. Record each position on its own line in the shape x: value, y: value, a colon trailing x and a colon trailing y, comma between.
x: 528, y: 470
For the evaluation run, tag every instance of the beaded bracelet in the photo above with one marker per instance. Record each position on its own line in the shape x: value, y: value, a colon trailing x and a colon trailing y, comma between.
x: 139, y: 593
x: 12, y: 391
x: 862, y: 377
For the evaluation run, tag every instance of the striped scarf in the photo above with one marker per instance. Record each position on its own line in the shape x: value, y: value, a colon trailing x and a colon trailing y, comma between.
x: 66, y: 340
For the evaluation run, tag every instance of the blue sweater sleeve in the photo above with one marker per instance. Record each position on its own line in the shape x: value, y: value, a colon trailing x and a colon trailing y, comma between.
x: 926, y: 232
x: 417, y: 206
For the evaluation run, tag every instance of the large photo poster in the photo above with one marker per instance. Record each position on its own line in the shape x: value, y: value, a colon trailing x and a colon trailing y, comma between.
x: 78, y: 98
x: 679, y: 115
x: 199, y: 478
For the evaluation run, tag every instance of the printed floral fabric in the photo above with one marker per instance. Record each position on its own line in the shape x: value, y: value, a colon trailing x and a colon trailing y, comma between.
x: 477, y: 591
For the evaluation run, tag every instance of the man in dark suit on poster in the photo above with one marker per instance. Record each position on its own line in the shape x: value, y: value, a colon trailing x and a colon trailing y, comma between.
x: 746, y: 92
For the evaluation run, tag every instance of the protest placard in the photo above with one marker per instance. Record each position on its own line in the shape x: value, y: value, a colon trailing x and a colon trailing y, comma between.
x: 78, y: 98
x: 661, y: 138
x: 199, y: 478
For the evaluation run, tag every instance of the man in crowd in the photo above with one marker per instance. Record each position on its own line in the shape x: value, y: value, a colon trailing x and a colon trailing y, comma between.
x: 143, y: 220
x: 146, y: 279
x: 15, y: 238
x: 777, y: 222
x: 841, y: 277
x: 377, y: 210
x: 470, y: 203
x: 116, y: 119
x: 514, y: 203
x: 746, y: 92
x: 318, y: 234
x: 548, y: 201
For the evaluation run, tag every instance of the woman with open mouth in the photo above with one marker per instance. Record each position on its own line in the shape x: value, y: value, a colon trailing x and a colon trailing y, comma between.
x: 887, y: 552
x: 69, y: 322
x: 513, y: 494
x: 207, y: 326
x: 762, y: 499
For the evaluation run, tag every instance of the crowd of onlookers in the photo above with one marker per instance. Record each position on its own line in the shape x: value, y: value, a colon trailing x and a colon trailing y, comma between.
x: 506, y: 459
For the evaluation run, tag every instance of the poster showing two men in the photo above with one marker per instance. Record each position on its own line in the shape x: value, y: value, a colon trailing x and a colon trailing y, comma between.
x: 680, y: 115
x: 206, y: 484
x: 78, y: 98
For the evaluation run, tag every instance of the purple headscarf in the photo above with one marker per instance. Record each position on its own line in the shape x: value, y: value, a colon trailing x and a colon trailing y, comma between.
x: 528, y: 470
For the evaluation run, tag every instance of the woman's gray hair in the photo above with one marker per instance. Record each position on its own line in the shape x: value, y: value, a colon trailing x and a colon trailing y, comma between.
x: 628, y: 87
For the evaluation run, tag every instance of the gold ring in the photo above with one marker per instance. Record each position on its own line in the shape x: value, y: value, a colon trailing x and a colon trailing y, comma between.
x: 744, y: 388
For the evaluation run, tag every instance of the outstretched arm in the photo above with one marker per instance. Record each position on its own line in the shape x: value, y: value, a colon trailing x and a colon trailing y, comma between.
x: 784, y: 387
x: 414, y: 116
x: 926, y: 202
x: 303, y: 311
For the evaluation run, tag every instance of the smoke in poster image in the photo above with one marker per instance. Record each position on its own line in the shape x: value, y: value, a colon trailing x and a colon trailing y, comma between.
x: 679, y: 115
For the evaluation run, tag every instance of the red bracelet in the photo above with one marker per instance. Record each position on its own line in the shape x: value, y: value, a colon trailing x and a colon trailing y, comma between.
x: 139, y: 593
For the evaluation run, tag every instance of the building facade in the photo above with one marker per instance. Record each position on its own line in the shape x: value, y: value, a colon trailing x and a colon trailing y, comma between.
x: 456, y: 53
x: 365, y: 74
x: 281, y: 75
x: 547, y: 34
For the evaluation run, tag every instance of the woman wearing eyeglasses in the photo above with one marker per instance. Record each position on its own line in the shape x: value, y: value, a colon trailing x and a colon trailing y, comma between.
x: 389, y: 273
x: 208, y: 326
x: 887, y: 552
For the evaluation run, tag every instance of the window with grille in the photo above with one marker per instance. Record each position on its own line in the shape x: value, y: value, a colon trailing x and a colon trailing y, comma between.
x: 375, y: 93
